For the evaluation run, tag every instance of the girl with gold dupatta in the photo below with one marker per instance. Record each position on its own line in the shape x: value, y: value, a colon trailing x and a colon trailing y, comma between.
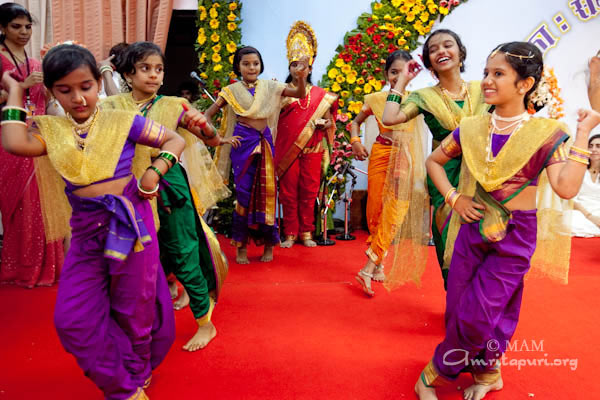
x: 396, y: 185
x: 305, y: 130
x: 113, y: 310
x: 443, y: 107
x: 253, y: 107
x: 509, y: 160
x: 188, y: 247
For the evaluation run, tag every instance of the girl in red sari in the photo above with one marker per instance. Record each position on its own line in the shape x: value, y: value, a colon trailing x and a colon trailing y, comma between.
x: 305, y: 128
x: 28, y: 258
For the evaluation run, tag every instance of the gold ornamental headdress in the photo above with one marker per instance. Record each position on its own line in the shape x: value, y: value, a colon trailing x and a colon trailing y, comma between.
x: 301, y: 41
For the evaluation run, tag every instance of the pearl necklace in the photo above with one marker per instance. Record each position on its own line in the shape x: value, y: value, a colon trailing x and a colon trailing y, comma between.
x: 516, y: 121
x: 79, y: 129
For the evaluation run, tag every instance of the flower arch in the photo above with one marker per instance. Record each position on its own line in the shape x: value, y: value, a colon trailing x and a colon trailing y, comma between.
x: 357, y: 67
x: 219, y: 36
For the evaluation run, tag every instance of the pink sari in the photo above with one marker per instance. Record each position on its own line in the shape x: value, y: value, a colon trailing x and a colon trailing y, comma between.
x: 27, y: 260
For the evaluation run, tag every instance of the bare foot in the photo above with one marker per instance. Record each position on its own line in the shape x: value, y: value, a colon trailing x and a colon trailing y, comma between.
x: 478, y: 391
x: 378, y: 275
x: 182, y: 301
x: 423, y: 392
x: 287, y: 243
x: 203, y: 336
x: 267, y: 254
x: 241, y: 255
x: 173, y: 290
x: 309, y: 243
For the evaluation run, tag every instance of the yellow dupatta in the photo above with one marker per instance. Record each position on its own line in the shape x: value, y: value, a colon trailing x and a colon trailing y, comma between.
x: 405, y: 213
x: 97, y: 162
x: 201, y: 170
x: 445, y: 110
x: 551, y: 258
x: 265, y: 104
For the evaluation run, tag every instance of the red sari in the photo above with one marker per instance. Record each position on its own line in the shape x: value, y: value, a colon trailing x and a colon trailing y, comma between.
x: 27, y: 260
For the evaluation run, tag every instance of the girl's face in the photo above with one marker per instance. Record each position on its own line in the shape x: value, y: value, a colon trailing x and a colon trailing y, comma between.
x: 77, y: 93
x: 501, y: 84
x: 149, y: 75
x: 444, y: 53
x: 594, y: 147
x: 250, y: 67
x: 294, y: 69
x: 395, y: 71
x: 18, y: 31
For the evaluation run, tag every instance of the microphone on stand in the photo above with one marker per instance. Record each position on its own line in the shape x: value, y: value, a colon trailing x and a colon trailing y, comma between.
x: 195, y: 76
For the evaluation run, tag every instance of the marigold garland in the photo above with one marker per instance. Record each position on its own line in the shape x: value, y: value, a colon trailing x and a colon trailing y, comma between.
x: 547, y: 94
x: 357, y: 68
x: 219, y: 36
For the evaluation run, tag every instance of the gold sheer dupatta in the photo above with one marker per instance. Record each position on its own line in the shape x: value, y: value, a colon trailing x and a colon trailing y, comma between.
x: 551, y: 258
x: 97, y: 162
x: 265, y: 104
x: 405, y: 214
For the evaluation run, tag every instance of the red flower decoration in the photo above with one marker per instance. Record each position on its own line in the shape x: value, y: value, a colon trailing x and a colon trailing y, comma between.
x: 376, y: 39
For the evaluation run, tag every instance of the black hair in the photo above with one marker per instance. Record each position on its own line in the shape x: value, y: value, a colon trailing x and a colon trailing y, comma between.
x: 63, y: 59
x: 461, y: 47
x: 189, y: 85
x: 594, y: 137
x: 10, y: 11
x: 134, y: 53
x: 396, y: 55
x: 530, y: 64
x: 237, y: 58
x: 117, y: 51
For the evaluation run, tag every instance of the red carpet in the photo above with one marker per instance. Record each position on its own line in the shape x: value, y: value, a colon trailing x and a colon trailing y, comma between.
x: 300, y: 328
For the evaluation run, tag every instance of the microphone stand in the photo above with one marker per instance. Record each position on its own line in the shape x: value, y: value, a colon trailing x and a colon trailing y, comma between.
x: 348, y: 201
x: 324, y: 240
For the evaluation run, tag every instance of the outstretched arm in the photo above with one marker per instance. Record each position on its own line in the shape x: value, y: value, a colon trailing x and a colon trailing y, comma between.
x: 301, y: 70
x: 16, y: 138
x: 566, y: 178
x: 197, y: 123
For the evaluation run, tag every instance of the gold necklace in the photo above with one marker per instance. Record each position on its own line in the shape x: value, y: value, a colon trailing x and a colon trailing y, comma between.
x: 143, y: 101
x: 447, y: 100
x: 461, y: 93
x: 79, y: 129
x: 249, y: 85
x: 307, y: 100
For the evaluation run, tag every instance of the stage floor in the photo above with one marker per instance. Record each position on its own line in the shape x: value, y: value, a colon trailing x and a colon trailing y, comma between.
x: 301, y: 328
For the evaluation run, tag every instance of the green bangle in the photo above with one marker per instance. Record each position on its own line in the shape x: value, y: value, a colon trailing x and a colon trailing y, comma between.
x: 166, y: 161
x: 394, y: 98
x: 153, y: 168
x: 169, y: 156
x: 14, y: 114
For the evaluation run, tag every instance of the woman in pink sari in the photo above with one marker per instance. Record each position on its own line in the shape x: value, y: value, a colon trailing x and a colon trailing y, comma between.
x: 27, y: 260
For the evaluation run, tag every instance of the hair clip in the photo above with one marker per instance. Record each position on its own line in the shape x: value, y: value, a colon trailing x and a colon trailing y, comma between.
x: 520, y: 56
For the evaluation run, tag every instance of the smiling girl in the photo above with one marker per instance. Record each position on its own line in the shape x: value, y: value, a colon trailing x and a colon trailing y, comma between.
x: 253, y: 107
x: 443, y: 107
x: 504, y: 156
x: 113, y: 310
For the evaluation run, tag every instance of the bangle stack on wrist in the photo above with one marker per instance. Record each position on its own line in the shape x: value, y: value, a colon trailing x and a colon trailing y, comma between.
x: 153, y: 168
x: 579, y: 155
x: 451, y: 197
x: 394, y: 98
x: 14, y: 115
x: 167, y: 155
x: 105, y: 68
x: 354, y: 139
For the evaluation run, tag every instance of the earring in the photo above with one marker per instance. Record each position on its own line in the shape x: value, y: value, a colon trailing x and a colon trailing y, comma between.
x: 161, y: 83
x: 129, y: 81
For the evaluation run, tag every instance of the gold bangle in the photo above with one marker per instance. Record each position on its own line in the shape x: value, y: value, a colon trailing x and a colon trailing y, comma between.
x: 10, y: 121
x: 448, y: 194
x: 580, y: 150
x: 354, y: 139
x: 580, y: 160
x: 397, y: 92
x: 454, y: 199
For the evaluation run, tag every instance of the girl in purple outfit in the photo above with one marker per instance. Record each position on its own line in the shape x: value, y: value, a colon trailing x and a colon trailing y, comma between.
x: 504, y: 158
x: 113, y: 308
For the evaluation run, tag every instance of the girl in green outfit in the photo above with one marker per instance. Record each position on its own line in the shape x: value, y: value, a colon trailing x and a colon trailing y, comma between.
x: 188, y: 248
x: 443, y: 106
